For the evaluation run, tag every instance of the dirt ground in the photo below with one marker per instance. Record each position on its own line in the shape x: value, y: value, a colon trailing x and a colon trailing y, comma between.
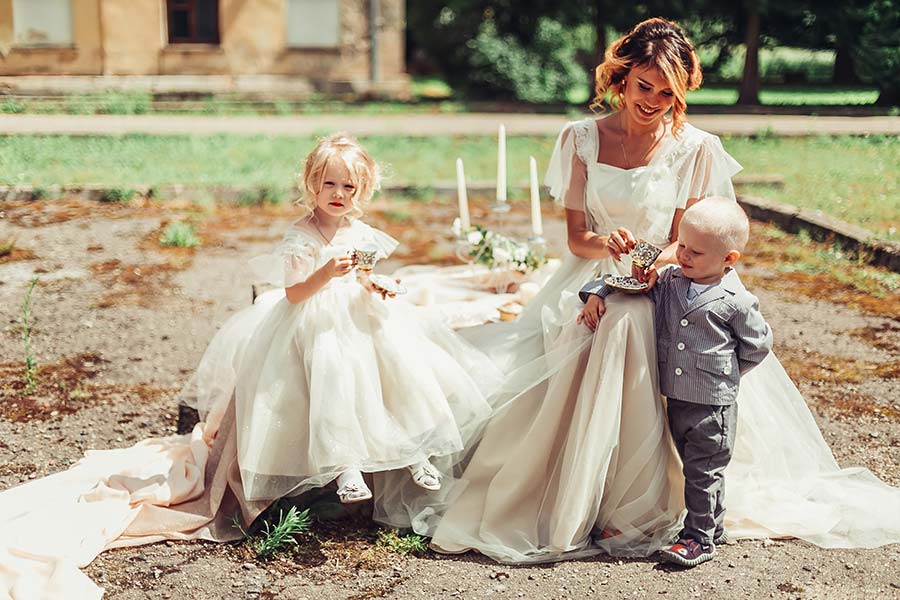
x: 119, y: 322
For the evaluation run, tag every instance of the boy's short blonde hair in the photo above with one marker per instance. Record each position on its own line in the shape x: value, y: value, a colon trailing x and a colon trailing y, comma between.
x: 722, y: 218
x: 363, y: 170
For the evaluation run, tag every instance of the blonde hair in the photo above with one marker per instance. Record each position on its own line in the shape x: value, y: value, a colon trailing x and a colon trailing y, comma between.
x: 656, y: 43
x: 722, y: 218
x: 363, y: 169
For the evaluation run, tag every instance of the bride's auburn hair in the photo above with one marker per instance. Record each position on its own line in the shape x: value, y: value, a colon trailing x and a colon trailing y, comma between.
x: 655, y: 42
x: 364, y: 171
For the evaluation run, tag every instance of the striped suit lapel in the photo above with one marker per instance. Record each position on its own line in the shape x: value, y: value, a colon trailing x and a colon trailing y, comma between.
x: 681, y: 286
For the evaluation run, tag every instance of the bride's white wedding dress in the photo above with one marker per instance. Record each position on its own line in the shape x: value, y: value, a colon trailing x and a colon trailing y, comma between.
x: 579, y: 443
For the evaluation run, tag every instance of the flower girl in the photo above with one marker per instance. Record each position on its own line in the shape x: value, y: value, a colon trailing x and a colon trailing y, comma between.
x: 332, y: 375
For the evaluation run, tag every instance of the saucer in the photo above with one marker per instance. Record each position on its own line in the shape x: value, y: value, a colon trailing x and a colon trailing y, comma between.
x: 625, y: 283
x: 388, y: 284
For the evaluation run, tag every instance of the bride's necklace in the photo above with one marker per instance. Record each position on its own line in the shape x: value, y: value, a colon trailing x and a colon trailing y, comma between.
x: 656, y: 138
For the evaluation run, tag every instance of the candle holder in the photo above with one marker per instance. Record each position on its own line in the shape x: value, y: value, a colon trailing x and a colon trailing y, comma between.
x: 500, y: 207
x: 538, y: 246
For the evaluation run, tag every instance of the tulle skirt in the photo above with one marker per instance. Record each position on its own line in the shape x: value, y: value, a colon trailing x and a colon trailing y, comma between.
x: 577, y: 458
x: 343, y: 380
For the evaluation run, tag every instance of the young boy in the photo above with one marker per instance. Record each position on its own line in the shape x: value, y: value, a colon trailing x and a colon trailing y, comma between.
x: 709, y: 332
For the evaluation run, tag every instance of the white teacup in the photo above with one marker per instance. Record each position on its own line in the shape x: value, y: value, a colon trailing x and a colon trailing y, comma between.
x: 365, y: 257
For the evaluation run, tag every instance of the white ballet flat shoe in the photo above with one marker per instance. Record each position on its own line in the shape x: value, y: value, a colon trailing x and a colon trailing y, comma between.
x: 352, y: 488
x: 425, y: 475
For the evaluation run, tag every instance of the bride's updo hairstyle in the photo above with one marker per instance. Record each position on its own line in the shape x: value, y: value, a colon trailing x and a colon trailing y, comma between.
x: 655, y: 42
x: 363, y: 170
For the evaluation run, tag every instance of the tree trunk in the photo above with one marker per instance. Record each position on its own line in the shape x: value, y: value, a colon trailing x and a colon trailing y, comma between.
x: 600, y: 32
x: 844, y: 69
x: 749, y: 90
x: 590, y: 61
x: 889, y: 97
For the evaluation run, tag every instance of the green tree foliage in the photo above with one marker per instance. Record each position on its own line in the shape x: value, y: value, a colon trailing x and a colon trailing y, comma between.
x: 543, y: 71
x: 876, y: 52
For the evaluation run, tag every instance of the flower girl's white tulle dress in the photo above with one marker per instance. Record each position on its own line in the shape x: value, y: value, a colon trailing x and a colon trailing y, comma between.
x: 291, y: 396
x: 343, y: 380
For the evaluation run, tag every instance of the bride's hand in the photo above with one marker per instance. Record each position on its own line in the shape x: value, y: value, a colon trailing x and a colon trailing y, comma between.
x: 620, y: 242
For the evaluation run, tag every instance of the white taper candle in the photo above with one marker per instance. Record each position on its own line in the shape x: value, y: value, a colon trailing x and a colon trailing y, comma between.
x: 461, y: 195
x: 537, y: 227
x: 501, y: 165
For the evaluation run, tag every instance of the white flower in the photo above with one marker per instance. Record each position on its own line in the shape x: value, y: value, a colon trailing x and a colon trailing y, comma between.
x: 520, y: 254
x: 501, y: 256
x: 456, y: 228
x: 474, y: 237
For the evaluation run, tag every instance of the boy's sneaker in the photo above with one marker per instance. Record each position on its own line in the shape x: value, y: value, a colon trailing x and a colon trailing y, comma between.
x: 688, y: 553
x: 720, y: 540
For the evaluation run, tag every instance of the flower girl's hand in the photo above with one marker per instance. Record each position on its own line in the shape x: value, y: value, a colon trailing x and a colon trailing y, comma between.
x: 620, y: 242
x: 364, y: 281
x: 592, y: 312
x: 338, y: 266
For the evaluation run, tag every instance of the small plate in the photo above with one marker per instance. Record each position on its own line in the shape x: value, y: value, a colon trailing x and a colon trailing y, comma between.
x: 388, y: 284
x: 625, y: 284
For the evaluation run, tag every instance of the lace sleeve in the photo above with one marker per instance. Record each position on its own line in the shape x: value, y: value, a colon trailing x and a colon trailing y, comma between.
x: 291, y: 262
x: 385, y: 243
x: 567, y: 172
x: 707, y: 171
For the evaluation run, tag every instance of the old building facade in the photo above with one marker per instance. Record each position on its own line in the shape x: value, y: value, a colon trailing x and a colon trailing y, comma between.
x: 331, y: 45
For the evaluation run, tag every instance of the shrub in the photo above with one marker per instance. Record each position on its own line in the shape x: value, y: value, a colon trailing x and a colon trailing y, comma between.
x: 543, y: 71
x: 179, y: 234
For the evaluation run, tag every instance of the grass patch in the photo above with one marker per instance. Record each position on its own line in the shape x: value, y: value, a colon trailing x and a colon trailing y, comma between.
x: 400, y: 543
x: 786, y: 95
x: 30, y: 359
x: 276, y: 532
x: 821, y: 270
x: 851, y: 178
x: 117, y: 195
x: 179, y: 234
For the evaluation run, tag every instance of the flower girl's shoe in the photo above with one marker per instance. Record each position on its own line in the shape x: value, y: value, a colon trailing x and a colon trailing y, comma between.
x: 352, y: 488
x: 425, y: 475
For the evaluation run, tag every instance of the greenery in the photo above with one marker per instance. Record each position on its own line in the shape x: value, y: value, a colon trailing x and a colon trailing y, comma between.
x: 802, y: 254
x: 862, y: 186
x: 877, y: 50
x: 275, y: 534
x: 30, y: 359
x: 404, y: 544
x: 543, y: 71
x: 179, y: 234
x: 852, y: 178
x: 787, y: 95
x: 117, y: 194
x: 493, y: 250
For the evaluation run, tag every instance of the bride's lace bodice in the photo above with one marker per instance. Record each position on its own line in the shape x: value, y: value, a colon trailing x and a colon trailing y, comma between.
x: 642, y: 199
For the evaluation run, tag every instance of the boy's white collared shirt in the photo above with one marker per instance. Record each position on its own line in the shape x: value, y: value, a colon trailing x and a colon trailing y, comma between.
x: 696, y: 289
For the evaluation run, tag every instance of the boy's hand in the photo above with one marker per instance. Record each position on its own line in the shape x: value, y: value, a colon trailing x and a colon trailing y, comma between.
x: 650, y: 277
x: 592, y: 312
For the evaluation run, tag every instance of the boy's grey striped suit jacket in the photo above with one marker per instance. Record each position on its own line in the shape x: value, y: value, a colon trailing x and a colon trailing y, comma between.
x: 703, y: 348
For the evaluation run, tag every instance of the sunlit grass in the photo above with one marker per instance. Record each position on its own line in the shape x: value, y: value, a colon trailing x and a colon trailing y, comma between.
x: 851, y: 178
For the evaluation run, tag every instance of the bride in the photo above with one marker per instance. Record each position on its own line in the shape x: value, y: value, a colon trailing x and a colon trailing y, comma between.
x: 577, y: 459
